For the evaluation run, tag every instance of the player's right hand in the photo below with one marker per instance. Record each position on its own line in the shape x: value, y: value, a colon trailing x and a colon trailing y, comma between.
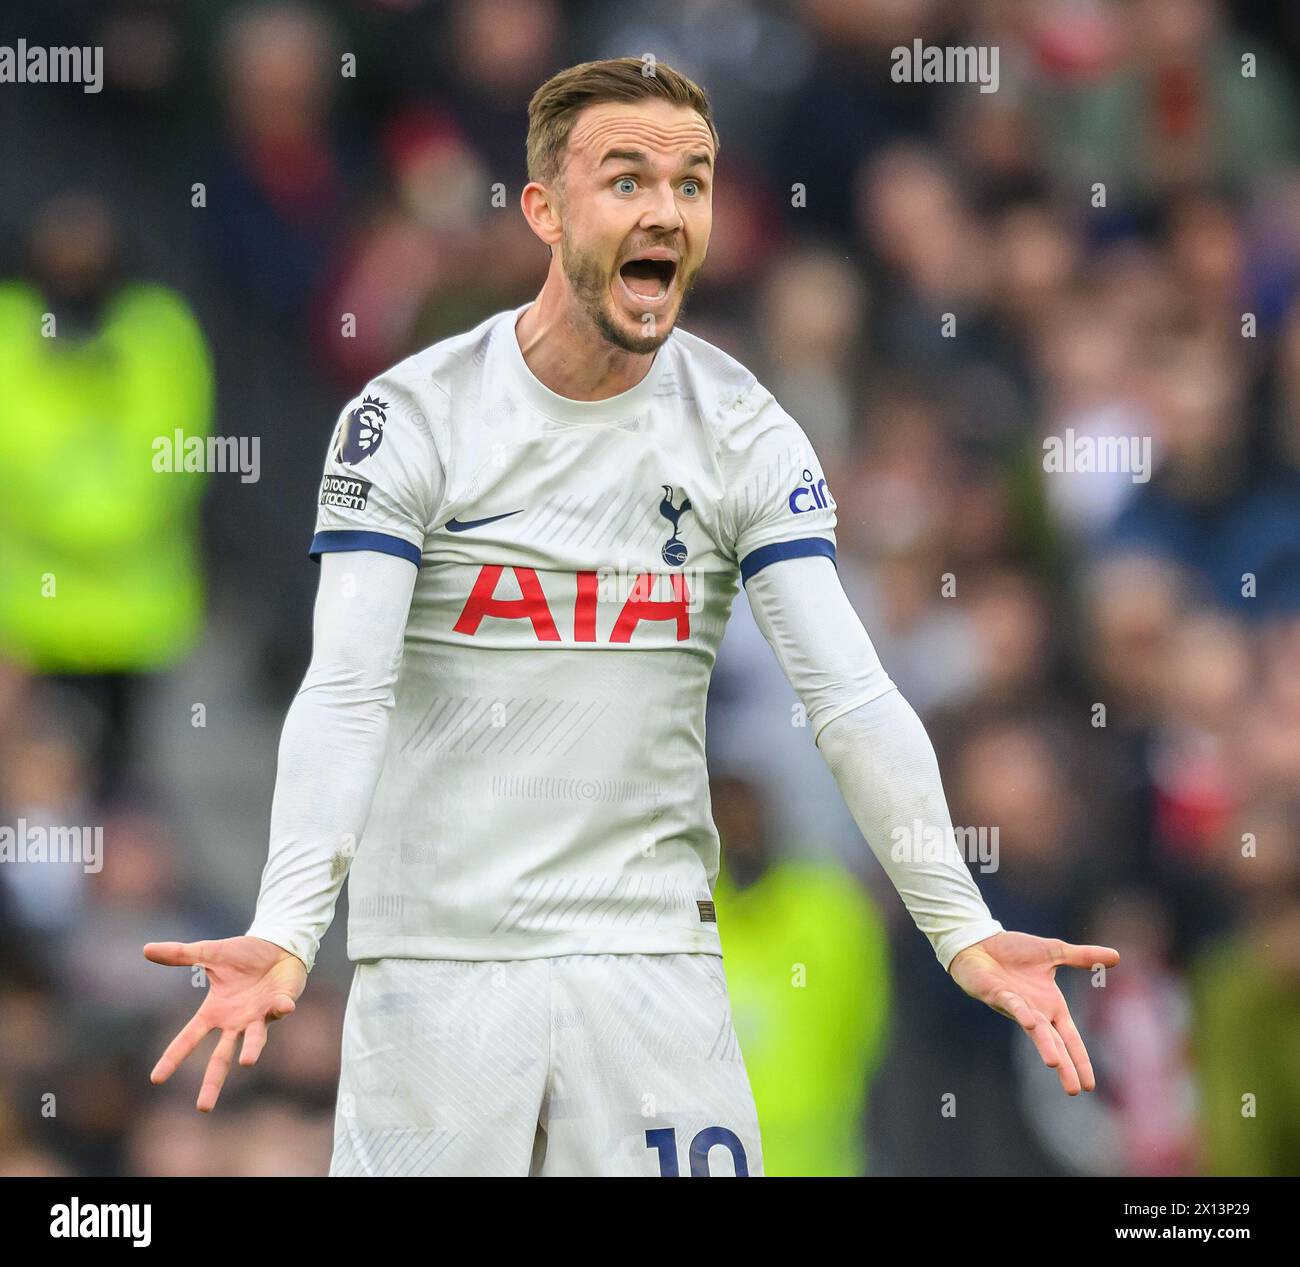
x: 251, y: 982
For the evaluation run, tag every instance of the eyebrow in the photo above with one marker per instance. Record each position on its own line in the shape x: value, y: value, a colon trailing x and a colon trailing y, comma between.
x: 639, y: 157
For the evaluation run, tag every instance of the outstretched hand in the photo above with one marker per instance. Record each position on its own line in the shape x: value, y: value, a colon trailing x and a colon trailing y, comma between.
x: 1015, y: 974
x: 251, y: 982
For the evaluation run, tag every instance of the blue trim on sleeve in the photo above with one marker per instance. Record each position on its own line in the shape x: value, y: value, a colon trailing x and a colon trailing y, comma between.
x: 351, y: 539
x: 805, y: 547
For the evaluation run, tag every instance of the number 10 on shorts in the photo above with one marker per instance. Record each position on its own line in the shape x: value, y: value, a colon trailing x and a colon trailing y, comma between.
x: 664, y: 1140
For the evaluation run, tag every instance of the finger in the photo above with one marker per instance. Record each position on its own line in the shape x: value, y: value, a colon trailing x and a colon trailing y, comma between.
x: 177, y: 954
x: 254, y: 1041
x: 1071, y: 956
x: 1065, y: 1070
x: 179, y: 1048
x: 1036, y: 1025
x: 281, y: 1006
x: 1074, y: 1045
x: 218, y: 1068
x: 1011, y: 1004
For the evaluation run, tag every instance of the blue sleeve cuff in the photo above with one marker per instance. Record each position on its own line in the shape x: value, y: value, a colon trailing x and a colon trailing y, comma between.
x: 353, y: 539
x: 804, y: 548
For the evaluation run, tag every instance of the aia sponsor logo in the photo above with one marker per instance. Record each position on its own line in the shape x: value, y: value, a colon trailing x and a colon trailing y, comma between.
x: 579, y: 607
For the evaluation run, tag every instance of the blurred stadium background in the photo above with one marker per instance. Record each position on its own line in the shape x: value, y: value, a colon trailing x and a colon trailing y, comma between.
x: 147, y: 696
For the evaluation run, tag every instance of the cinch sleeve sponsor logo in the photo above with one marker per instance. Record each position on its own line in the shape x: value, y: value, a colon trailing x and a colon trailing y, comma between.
x: 810, y: 495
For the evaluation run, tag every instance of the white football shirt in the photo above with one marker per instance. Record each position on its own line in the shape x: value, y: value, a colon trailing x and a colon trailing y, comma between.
x: 544, y: 788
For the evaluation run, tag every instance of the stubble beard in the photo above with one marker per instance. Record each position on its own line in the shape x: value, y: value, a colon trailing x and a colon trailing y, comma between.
x: 590, y: 285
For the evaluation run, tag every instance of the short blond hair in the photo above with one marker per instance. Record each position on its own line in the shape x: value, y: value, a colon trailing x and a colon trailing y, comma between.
x: 559, y: 101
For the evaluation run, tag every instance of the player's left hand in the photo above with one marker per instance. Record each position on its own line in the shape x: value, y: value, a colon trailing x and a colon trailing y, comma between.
x: 251, y: 982
x: 1015, y: 974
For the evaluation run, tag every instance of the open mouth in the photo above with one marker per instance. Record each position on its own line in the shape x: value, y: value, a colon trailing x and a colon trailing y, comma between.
x: 648, y: 280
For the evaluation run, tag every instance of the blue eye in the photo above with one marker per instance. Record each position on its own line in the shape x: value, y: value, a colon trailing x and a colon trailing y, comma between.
x: 693, y: 183
x: 626, y: 180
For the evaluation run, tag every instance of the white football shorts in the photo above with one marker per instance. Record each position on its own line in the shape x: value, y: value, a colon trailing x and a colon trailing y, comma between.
x: 572, y: 1065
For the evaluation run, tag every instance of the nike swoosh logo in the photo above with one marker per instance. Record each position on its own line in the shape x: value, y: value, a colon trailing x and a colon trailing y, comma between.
x: 464, y: 525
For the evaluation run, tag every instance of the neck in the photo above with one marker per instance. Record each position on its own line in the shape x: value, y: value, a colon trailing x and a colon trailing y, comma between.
x: 565, y: 351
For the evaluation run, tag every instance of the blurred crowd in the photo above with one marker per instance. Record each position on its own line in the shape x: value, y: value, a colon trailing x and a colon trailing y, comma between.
x: 268, y: 203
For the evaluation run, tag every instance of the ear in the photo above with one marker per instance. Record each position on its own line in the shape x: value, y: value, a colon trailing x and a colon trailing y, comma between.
x: 541, y: 209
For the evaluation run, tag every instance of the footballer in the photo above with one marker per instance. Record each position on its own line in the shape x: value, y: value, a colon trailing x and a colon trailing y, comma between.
x: 530, y: 536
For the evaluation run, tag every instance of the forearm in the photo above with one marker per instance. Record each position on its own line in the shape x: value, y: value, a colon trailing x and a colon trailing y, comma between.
x: 332, y: 747
x: 331, y: 751
x: 885, y: 767
x: 875, y: 746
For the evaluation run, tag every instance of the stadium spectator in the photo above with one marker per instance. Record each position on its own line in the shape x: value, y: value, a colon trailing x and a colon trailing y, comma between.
x: 807, y: 964
x: 100, y: 577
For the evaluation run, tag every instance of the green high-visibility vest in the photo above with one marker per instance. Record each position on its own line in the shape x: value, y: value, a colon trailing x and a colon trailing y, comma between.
x: 99, y: 554
x: 807, y: 962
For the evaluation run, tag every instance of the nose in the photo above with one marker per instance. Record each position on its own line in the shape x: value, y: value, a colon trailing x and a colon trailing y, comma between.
x: 662, y: 211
